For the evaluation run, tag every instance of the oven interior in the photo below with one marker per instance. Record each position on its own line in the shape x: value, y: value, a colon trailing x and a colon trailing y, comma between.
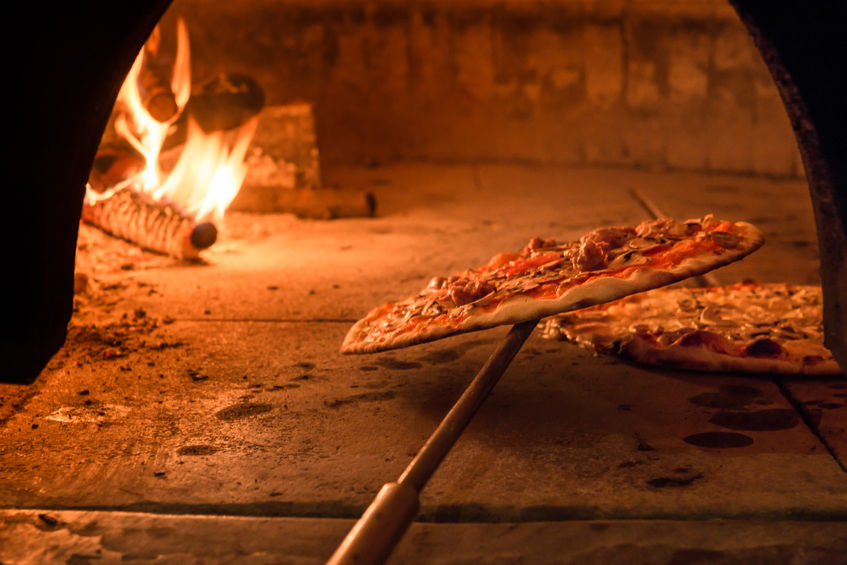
x: 201, y: 408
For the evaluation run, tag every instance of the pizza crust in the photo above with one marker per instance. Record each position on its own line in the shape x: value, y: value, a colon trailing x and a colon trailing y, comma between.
x: 366, y: 335
x: 700, y: 359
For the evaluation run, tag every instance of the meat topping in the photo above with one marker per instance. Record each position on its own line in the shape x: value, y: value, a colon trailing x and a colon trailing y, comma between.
x: 613, y: 236
x: 764, y: 347
x: 592, y: 256
x: 464, y: 291
x: 537, y: 243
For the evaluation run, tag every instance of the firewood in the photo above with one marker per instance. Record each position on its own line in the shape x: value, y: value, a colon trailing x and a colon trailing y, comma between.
x: 113, y: 164
x: 223, y: 103
x: 156, y: 226
x: 154, y: 82
x: 156, y: 95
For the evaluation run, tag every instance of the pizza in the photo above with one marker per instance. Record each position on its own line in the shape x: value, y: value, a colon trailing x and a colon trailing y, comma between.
x: 547, y: 277
x: 744, y: 327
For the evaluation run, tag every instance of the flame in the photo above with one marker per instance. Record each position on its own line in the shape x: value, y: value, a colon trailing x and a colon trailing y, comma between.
x: 210, y: 169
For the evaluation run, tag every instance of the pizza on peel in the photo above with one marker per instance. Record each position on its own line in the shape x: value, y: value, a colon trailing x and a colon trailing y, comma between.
x: 548, y: 277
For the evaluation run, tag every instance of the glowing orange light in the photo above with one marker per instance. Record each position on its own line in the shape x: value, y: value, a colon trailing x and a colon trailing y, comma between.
x: 210, y: 169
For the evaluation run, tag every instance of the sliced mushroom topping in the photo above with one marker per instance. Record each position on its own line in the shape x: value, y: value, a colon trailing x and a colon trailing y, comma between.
x: 693, y: 227
x: 628, y: 259
x: 711, y: 316
x: 688, y: 305
x: 725, y: 239
x: 643, y: 245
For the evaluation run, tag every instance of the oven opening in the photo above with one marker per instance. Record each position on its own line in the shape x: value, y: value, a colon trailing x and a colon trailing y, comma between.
x: 237, y: 214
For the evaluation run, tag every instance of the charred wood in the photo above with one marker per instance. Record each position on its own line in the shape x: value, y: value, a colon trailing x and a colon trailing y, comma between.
x: 154, y: 85
x: 224, y: 103
x: 155, y: 226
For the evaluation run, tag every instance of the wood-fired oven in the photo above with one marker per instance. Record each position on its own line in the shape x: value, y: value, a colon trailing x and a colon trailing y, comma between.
x: 177, y: 391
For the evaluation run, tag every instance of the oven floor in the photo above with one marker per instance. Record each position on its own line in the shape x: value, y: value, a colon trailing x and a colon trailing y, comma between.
x: 203, y: 413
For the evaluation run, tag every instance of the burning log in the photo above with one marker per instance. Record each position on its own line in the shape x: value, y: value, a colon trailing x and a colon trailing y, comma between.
x: 114, y: 164
x: 155, y: 78
x: 154, y: 86
x: 155, y: 226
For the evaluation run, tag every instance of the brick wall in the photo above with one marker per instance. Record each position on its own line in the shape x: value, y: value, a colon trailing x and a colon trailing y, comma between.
x: 646, y: 83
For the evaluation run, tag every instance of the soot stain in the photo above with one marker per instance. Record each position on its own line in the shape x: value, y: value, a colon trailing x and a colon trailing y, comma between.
x: 391, y: 363
x: 831, y: 405
x: 725, y: 188
x: 664, y: 482
x: 441, y: 356
x: 719, y: 440
x: 283, y: 387
x: 758, y: 421
x: 364, y: 397
x: 243, y: 410
x: 688, y: 556
x: 643, y: 445
x: 197, y: 450
x: 730, y: 397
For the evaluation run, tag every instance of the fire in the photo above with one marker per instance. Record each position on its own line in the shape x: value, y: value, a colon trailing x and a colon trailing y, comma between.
x: 210, y: 168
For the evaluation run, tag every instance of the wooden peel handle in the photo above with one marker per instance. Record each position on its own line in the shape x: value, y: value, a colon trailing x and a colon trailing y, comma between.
x: 395, y: 507
x: 380, y: 527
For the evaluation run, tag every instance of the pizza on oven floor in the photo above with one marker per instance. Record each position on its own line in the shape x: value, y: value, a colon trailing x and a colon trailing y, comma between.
x: 547, y: 277
x: 745, y: 327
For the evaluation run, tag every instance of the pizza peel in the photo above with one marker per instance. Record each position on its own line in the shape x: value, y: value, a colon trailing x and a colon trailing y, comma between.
x: 395, y: 506
x: 372, y: 538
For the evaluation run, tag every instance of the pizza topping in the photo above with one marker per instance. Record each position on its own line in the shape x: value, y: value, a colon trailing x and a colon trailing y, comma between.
x: 693, y: 227
x: 776, y: 323
x: 628, y: 259
x: 591, y: 256
x: 728, y: 240
x: 705, y: 339
x: 436, y: 283
x: 643, y: 245
x: 465, y: 291
x: 543, y: 273
x: 710, y: 316
x: 537, y: 243
x: 764, y: 347
x: 612, y: 236
x: 664, y: 227
x: 501, y: 259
